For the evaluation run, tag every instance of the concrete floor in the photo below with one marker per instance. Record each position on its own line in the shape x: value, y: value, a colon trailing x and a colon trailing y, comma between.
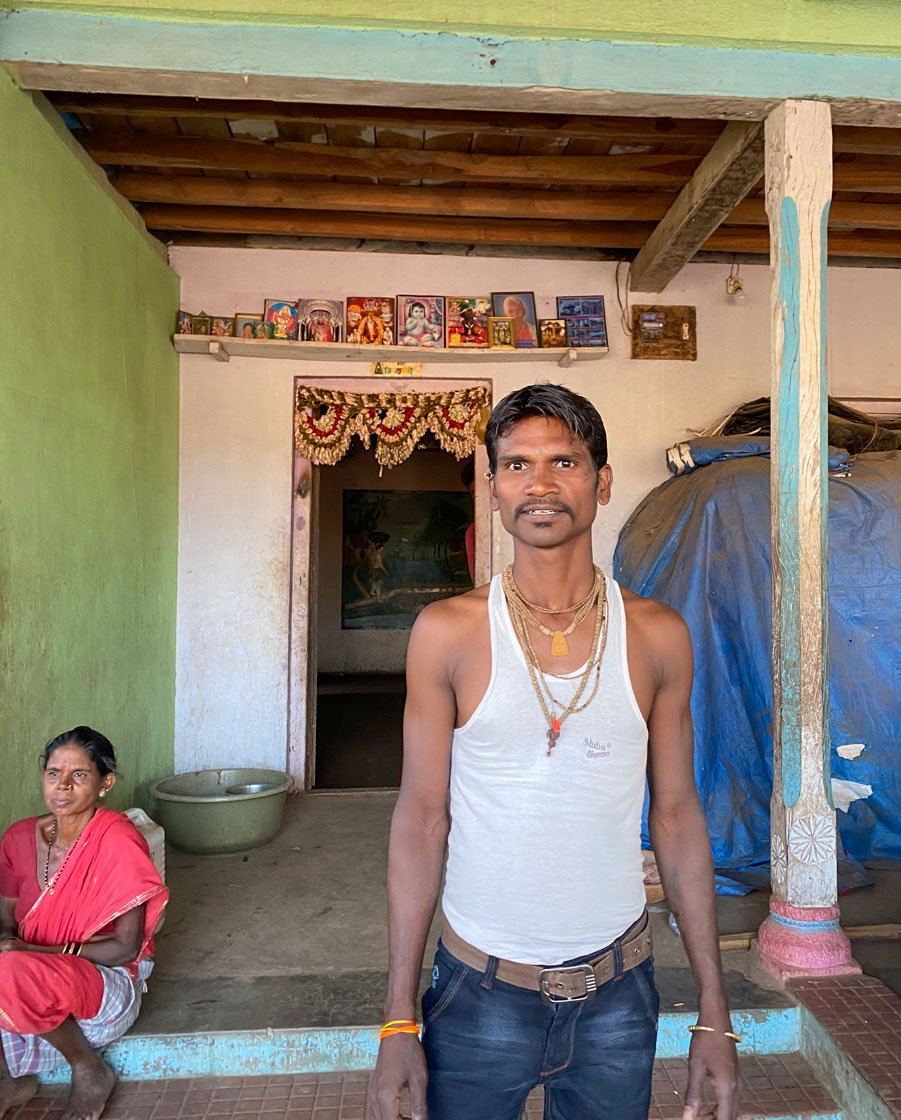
x: 294, y: 933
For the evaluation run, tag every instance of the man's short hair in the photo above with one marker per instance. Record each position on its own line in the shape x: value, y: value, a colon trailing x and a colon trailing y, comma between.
x: 555, y: 402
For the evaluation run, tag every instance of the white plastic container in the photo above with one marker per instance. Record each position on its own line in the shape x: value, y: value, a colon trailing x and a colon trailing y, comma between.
x: 154, y: 835
x: 156, y: 841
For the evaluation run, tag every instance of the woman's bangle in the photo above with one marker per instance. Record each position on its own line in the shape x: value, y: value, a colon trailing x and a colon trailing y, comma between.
x: 736, y: 1038
x: 73, y: 948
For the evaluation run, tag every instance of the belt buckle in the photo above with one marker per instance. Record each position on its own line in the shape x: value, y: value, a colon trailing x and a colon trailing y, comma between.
x: 591, y: 984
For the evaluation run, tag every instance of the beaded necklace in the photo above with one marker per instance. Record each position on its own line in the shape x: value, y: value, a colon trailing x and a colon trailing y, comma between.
x: 58, y: 872
x: 580, y: 610
x: 547, y: 701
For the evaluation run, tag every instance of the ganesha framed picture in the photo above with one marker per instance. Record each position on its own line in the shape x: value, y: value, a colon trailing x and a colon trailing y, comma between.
x: 281, y: 316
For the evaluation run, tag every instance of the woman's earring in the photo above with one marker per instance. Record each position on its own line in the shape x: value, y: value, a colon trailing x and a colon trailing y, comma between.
x: 103, y: 793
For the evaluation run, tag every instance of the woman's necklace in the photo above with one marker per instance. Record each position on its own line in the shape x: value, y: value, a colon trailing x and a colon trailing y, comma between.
x: 58, y: 872
x: 549, y: 704
x: 559, y: 645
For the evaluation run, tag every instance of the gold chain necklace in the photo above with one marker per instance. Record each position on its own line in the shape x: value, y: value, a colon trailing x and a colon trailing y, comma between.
x: 546, y: 699
x: 559, y: 645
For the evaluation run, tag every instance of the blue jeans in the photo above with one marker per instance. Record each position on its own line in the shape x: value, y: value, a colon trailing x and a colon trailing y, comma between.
x: 488, y: 1044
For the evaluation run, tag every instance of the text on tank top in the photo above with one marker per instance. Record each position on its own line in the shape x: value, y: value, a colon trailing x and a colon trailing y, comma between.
x: 544, y: 852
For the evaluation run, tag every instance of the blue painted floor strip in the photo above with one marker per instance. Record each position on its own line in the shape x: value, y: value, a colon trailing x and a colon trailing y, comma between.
x: 149, y: 1057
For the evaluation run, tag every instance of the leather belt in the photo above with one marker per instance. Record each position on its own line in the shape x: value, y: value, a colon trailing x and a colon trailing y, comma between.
x: 560, y: 983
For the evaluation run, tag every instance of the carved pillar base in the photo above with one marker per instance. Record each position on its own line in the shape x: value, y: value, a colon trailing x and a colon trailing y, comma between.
x: 804, y: 941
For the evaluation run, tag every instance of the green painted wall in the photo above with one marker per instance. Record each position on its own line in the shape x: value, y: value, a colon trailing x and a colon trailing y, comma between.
x: 833, y: 26
x: 88, y: 464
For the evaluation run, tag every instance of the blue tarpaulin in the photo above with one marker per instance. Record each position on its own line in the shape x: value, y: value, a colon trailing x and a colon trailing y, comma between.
x: 701, y: 543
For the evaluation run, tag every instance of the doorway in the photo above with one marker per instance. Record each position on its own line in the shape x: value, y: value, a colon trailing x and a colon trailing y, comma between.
x: 372, y: 546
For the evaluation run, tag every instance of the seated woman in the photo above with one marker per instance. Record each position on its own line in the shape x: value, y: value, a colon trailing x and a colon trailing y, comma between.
x: 79, y: 901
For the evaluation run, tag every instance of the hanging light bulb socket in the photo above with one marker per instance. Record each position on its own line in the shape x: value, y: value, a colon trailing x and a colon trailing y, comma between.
x: 735, y: 286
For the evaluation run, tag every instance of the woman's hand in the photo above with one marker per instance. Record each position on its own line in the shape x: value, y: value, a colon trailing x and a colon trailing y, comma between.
x: 12, y: 944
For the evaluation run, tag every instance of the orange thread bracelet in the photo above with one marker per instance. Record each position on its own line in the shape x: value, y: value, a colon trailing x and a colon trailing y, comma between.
x: 387, y: 1032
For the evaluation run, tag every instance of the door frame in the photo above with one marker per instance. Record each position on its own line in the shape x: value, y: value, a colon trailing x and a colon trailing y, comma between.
x: 303, y: 648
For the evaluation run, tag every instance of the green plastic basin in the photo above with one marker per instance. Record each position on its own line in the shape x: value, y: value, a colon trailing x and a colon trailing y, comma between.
x: 199, y: 816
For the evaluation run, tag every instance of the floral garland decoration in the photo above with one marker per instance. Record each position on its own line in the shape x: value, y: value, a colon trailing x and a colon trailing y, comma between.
x: 326, y: 420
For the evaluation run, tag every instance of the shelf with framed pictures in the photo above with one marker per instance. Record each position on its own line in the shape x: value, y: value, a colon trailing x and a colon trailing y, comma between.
x: 225, y: 347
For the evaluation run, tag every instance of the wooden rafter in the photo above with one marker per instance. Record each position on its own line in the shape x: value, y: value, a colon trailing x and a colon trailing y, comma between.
x: 850, y: 139
x: 390, y: 227
x: 467, y: 231
x: 323, y: 160
x: 626, y: 130
x: 463, y: 202
x: 726, y: 174
x: 460, y: 202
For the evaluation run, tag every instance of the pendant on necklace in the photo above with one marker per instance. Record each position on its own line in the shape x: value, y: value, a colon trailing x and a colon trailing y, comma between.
x: 559, y: 647
x: 553, y: 734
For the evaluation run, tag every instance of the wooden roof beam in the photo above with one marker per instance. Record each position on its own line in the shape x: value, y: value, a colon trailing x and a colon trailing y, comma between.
x: 627, y: 130
x: 262, y: 157
x: 394, y: 227
x: 458, y: 202
x: 463, y: 202
x: 466, y: 231
x: 726, y: 174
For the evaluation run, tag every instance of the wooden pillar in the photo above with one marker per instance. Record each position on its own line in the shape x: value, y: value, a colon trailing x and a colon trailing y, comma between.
x: 802, y: 935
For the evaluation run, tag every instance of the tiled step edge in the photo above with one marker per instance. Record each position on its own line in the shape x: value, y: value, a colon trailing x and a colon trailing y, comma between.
x: 144, y: 1057
x: 838, y: 1074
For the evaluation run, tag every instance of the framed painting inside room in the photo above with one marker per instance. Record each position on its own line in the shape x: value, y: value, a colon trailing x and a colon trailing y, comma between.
x: 402, y: 549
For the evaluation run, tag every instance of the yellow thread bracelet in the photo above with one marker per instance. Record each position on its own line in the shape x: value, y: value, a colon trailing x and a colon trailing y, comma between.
x: 712, y: 1030
x: 387, y: 1032
x: 398, y: 1023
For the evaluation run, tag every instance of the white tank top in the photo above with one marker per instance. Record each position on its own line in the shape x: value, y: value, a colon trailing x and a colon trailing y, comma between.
x: 544, y: 853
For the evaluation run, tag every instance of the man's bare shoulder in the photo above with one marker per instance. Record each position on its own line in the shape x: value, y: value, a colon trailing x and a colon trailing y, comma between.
x: 450, y: 619
x: 659, y: 624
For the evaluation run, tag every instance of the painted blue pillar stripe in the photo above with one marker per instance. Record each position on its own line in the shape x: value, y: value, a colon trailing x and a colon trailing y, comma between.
x: 788, y: 513
x: 824, y: 497
x: 439, y: 58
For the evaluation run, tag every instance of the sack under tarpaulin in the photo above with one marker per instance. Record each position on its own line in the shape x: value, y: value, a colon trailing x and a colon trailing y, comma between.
x: 855, y: 431
x: 701, y: 543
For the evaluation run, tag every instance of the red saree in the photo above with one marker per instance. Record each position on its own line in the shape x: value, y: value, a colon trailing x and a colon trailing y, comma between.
x: 108, y: 873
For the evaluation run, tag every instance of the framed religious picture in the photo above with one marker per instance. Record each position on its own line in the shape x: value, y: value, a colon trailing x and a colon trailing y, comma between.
x: 467, y: 321
x: 246, y: 326
x: 261, y: 329
x: 280, y: 315
x: 586, y: 330
x: 200, y: 324
x: 579, y: 305
x: 552, y: 332
x: 222, y: 326
x: 370, y: 320
x: 420, y: 321
x: 321, y: 320
x: 500, y: 332
x: 520, y: 307
x: 183, y: 322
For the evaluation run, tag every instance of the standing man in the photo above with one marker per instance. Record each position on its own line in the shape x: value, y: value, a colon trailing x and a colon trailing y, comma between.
x: 536, y: 705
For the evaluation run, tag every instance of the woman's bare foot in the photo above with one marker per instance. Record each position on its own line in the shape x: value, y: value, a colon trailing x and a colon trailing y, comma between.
x: 16, y: 1091
x: 92, y: 1083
